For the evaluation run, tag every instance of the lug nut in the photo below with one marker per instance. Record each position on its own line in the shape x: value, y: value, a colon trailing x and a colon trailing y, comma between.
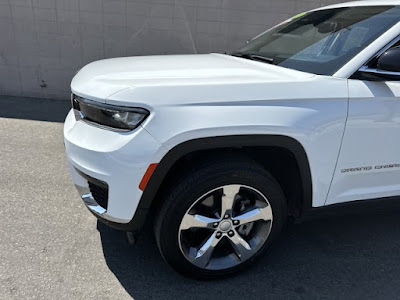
x: 226, y: 216
x: 218, y: 235
x: 231, y: 233
x: 236, y: 222
x: 215, y: 225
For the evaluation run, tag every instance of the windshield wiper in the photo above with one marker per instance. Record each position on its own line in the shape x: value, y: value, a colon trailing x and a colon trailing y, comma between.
x: 251, y: 56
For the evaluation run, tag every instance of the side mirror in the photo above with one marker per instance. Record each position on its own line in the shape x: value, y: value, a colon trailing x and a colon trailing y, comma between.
x: 390, y: 60
x: 387, y: 68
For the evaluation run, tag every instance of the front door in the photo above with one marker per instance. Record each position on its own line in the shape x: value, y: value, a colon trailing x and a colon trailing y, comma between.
x: 369, y: 162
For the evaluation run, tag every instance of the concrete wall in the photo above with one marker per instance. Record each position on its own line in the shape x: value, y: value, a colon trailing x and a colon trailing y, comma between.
x: 44, y: 42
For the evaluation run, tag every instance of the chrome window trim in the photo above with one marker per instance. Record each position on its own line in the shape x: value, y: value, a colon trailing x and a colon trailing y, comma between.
x: 366, y: 69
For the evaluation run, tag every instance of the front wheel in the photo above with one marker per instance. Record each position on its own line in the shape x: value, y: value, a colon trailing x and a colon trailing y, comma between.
x: 219, y: 218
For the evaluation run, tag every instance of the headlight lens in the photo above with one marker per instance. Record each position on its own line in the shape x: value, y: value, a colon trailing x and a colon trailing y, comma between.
x: 116, y: 117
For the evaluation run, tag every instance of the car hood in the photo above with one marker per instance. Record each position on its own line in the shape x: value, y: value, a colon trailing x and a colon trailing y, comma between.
x: 147, y: 75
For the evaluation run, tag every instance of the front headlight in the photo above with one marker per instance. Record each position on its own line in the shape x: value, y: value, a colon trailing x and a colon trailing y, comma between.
x: 115, y: 117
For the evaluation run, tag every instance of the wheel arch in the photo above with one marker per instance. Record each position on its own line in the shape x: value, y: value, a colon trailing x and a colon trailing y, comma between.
x: 238, y: 142
x: 184, y: 149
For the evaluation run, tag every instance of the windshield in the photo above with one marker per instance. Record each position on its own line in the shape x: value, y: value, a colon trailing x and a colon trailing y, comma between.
x: 321, y: 42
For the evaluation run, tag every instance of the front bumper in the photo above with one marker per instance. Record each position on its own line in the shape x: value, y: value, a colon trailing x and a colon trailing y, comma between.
x: 116, y: 159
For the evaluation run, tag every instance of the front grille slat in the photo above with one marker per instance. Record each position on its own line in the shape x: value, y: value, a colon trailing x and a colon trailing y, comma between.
x: 100, y: 194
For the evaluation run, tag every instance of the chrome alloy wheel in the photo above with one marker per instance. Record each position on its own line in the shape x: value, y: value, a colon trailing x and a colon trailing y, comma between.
x: 225, y: 227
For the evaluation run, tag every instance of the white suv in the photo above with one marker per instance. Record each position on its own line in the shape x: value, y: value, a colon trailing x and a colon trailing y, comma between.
x: 218, y: 150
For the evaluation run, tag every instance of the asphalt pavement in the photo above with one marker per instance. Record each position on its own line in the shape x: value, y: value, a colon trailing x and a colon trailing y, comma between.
x: 51, y: 247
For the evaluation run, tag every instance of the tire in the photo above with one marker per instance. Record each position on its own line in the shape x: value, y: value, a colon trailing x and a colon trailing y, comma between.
x: 194, y: 191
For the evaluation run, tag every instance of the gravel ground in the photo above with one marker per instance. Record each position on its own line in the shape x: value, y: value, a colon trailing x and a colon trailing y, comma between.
x: 52, y: 247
